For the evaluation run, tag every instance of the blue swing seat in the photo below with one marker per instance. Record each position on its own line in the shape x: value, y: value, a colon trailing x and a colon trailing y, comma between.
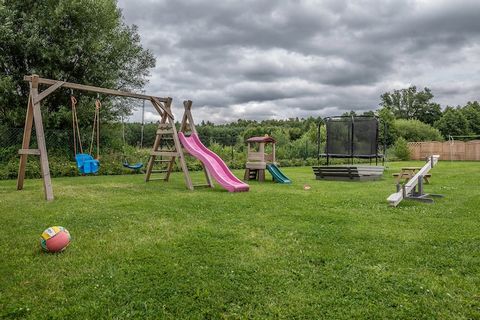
x: 86, y: 164
x: 135, y: 166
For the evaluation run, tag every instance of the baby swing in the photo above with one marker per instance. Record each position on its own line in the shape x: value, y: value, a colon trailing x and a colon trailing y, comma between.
x: 86, y: 164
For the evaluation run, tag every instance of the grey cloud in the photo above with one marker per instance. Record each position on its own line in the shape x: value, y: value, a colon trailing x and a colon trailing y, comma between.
x: 265, y: 58
x: 254, y: 91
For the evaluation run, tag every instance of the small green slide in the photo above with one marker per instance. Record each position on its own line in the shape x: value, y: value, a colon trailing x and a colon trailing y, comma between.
x: 277, y: 174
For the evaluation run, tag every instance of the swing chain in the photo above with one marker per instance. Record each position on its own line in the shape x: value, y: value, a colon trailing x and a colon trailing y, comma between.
x: 96, y: 127
x: 75, y: 125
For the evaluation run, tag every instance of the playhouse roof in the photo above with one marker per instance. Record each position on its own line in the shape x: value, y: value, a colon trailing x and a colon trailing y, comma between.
x: 261, y: 139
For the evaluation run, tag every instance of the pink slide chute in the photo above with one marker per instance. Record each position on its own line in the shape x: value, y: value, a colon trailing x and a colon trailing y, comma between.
x: 213, y: 163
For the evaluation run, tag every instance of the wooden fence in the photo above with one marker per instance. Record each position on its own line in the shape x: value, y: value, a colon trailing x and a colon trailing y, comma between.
x: 448, y: 150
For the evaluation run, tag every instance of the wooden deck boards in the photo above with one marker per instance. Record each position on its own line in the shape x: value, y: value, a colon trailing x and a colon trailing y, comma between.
x: 348, y: 173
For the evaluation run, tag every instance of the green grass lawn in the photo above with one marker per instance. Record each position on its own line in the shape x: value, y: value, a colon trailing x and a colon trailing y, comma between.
x: 157, y: 250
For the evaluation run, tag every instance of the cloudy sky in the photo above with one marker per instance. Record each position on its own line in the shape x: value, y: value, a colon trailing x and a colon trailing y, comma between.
x: 265, y: 59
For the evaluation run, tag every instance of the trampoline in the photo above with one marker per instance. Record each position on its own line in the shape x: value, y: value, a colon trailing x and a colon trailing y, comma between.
x: 352, y: 137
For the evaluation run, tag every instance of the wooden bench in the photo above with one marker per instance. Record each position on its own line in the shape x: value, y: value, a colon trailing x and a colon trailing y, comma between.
x: 347, y: 173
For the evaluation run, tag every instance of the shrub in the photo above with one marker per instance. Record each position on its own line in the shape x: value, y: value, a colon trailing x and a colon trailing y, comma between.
x: 8, y: 153
x: 401, y: 149
x: 414, y: 130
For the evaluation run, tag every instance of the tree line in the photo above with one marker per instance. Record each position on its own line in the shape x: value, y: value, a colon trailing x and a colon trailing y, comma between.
x: 410, y: 104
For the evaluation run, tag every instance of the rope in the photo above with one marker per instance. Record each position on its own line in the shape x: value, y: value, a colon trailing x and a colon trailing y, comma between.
x: 96, y: 127
x: 124, y: 142
x: 123, y: 131
x: 75, y: 126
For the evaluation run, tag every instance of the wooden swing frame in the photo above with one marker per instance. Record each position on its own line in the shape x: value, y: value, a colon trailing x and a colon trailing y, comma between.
x: 34, y: 116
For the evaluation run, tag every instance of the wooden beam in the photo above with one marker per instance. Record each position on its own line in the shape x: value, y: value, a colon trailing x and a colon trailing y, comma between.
x: 50, y: 89
x: 184, y: 124
x: 164, y: 153
x: 156, y: 144
x: 273, y: 153
x: 34, y: 152
x: 159, y: 110
x: 81, y: 87
x: 188, y: 123
x: 27, y: 134
x: 165, y: 131
x: 181, y: 157
x: 157, y: 103
x: 37, y: 119
x: 188, y: 112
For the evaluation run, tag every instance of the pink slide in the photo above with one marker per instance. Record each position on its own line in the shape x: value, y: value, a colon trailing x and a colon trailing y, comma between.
x: 213, y: 163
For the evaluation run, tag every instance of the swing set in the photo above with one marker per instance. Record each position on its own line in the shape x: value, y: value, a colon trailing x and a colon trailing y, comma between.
x: 85, y: 161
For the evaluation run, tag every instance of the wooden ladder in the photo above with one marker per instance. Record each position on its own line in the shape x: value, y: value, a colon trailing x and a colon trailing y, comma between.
x: 168, y: 148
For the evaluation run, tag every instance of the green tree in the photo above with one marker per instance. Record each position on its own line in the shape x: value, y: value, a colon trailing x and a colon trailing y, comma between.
x: 369, y: 113
x: 386, y: 128
x: 412, y: 104
x: 312, y: 133
x: 453, y: 122
x: 471, y: 111
x: 350, y: 113
x: 295, y: 133
x: 80, y: 41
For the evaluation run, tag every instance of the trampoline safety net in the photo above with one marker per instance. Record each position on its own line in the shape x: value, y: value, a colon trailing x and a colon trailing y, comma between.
x: 339, y: 136
x: 352, y: 137
x: 365, y: 136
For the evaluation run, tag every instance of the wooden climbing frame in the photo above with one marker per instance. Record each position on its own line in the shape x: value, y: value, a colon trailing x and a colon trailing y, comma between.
x: 167, y: 130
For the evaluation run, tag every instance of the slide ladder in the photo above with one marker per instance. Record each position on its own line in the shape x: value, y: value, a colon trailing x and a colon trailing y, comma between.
x: 166, y: 149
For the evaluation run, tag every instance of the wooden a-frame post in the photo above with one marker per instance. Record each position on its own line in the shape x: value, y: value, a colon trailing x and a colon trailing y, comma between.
x: 34, y: 115
x: 188, y: 124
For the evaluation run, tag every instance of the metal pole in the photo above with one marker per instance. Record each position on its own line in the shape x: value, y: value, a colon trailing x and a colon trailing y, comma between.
x: 420, y: 186
x: 318, y: 143
x: 123, y: 131
x: 352, y: 135
x: 385, y: 132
